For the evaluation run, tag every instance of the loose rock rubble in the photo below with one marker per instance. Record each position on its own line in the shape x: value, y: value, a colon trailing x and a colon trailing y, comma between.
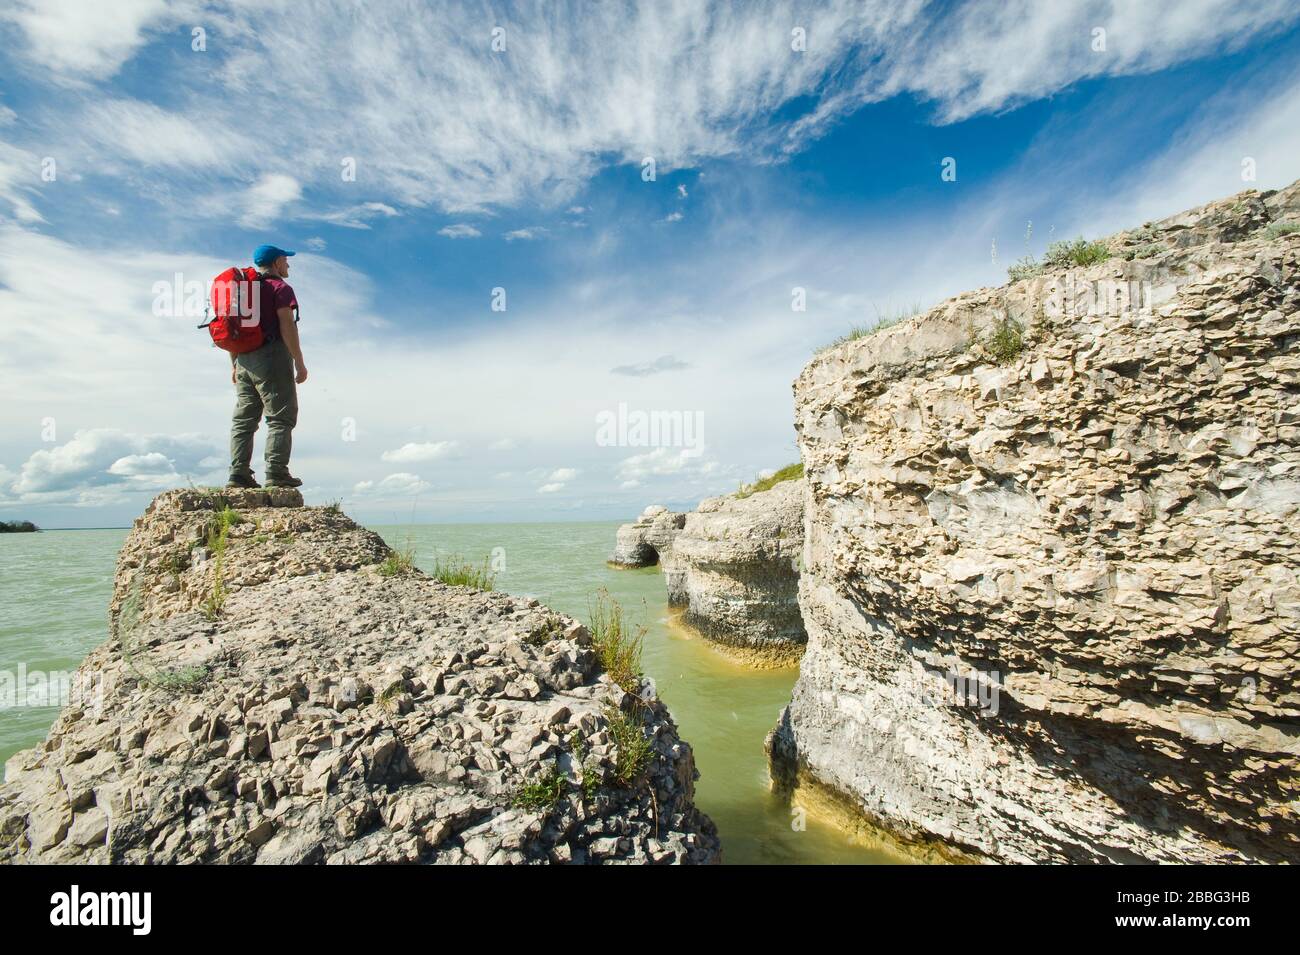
x: 1053, y: 603
x: 732, y: 565
x: 330, y: 713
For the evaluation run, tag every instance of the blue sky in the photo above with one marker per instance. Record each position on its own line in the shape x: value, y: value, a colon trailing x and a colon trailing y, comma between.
x: 522, y: 169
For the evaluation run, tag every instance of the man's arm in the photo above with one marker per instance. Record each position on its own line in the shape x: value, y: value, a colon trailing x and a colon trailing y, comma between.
x: 232, y: 368
x: 289, y: 332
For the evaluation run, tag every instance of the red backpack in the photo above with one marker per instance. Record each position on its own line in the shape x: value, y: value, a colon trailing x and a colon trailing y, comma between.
x: 233, y: 322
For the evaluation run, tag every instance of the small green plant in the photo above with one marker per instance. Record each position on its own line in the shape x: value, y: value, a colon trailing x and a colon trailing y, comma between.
x: 333, y: 507
x: 883, y: 320
x: 1276, y: 230
x: 1023, y: 268
x: 459, y: 572
x: 549, y: 629
x: 1060, y: 255
x: 1006, y: 341
x: 388, y: 698
x: 587, y: 766
x: 617, y: 645
x: 1144, y: 251
x: 1076, y: 252
x: 634, y: 750
x: 217, y: 539
x: 542, y: 794
x: 398, y: 563
x: 790, y: 472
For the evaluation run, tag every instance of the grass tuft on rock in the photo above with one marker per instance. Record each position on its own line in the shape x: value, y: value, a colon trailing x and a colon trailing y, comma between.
x: 617, y: 644
x: 543, y: 794
x: 1006, y: 341
x: 634, y: 750
x: 398, y: 563
x: 1067, y: 254
x: 883, y: 320
x: 791, y: 472
x: 459, y: 572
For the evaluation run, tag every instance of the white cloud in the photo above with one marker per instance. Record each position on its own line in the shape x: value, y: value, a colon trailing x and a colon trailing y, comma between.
x: 402, y: 484
x: 503, y: 444
x: 673, y: 217
x: 19, y: 177
x: 265, y: 201
x: 663, y: 462
x: 356, y: 217
x: 460, y: 230
x: 563, y: 474
x: 316, y: 244
x: 142, y: 134
x: 646, y: 368
x: 84, y: 38
x: 107, y: 456
x: 551, y: 488
x: 528, y: 234
x: 412, y: 452
x: 433, y: 121
x: 681, y: 191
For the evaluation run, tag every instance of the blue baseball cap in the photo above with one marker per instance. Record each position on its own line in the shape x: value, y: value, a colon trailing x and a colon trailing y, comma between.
x: 266, y: 254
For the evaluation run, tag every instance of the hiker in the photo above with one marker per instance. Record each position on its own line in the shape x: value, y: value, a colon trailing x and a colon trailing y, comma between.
x: 267, y: 378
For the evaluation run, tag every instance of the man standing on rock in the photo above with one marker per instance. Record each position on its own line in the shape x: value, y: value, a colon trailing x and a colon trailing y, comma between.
x: 267, y: 378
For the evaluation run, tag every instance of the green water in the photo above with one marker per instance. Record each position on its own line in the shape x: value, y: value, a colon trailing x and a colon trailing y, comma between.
x: 55, y: 587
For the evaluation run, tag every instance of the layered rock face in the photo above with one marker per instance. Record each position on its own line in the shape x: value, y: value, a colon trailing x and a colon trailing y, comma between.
x: 648, y: 540
x: 328, y: 707
x: 735, y: 572
x: 1052, y: 598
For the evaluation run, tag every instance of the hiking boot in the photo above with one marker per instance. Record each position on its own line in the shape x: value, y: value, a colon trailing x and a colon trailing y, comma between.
x: 242, y: 480
x: 282, y: 480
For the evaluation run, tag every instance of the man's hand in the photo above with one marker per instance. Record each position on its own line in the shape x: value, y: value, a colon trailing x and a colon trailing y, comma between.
x: 302, y: 373
x: 232, y: 374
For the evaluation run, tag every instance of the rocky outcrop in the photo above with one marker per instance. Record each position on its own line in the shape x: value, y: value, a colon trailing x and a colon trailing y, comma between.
x: 279, y: 688
x: 648, y: 540
x: 1051, y: 567
x: 734, y: 571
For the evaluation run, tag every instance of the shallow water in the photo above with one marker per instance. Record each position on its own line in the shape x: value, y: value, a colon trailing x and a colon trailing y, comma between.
x: 55, y: 587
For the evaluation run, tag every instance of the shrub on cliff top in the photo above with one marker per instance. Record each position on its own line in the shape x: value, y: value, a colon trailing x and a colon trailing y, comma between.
x: 790, y: 472
x: 883, y: 320
x: 1060, y: 255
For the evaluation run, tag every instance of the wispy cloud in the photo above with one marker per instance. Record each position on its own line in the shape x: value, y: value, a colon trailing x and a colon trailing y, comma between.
x: 402, y: 484
x: 646, y: 368
x: 460, y: 230
x: 426, y: 451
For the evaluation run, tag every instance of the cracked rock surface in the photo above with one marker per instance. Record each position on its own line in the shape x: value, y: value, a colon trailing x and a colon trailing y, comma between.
x: 330, y: 713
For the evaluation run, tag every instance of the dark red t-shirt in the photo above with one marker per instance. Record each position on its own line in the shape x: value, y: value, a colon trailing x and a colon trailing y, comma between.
x: 276, y: 294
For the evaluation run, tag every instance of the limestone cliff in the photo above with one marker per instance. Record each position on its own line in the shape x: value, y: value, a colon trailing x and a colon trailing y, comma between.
x: 732, y: 566
x: 279, y: 688
x: 1051, y: 559
x: 735, y: 574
